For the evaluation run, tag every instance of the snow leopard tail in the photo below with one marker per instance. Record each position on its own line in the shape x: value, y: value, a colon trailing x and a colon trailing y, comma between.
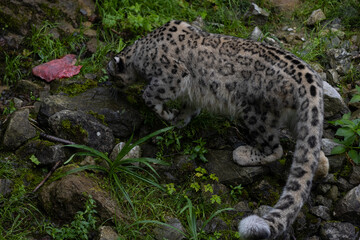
x: 307, y: 153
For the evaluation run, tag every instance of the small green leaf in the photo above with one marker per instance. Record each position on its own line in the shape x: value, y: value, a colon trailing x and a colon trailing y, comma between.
x: 355, y: 98
x: 344, y: 132
x: 35, y: 160
x: 354, y: 155
x: 338, y: 149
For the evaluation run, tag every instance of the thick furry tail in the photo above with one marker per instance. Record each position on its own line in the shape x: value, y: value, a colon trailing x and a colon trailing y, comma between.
x: 254, y: 227
x: 304, y: 165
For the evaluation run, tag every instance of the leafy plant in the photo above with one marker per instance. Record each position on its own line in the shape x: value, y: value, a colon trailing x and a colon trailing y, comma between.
x: 84, y: 222
x: 121, y: 165
x: 350, y: 133
x: 198, y: 151
x: 9, y: 109
x: 236, y: 191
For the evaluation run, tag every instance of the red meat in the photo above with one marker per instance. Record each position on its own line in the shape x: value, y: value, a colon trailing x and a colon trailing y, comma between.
x: 58, y: 68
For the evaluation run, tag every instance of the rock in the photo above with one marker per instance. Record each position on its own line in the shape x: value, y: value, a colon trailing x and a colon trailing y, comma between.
x: 355, y: 175
x: 215, y: 225
x: 5, y: 187
x: 199, y: 22
x: 165, y: 232
x: 134, y: 153
x: 340, y: 60
x: 256, y: 34
x: 82, y: 128
x: 321, y: 200
x: 46, y: 152
x: 118, y: 115
x: 62, y: 199
x: 334, y: 106
x: 92, y: 45
x: 321, y: 212
x: 328, y: 145
x: 333, y: 76
x: 343, y: 184
x: 338, y: 230
x: 315, y: 17
x: 229, y: 173
x: 256, y: 14
x: 18, y: 130
x: 107, y: 233
x: 17, y: 102
x: 333, y: 193
x: 348, y: 208
x: 336, y: 162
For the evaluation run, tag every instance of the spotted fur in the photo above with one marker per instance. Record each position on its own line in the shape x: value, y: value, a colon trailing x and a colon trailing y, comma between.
x: 261, y: 84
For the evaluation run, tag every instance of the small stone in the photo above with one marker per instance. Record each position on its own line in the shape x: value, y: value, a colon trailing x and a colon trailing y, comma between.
x: 315, y: 17
x: 133, y: 153
x: 321, y: 200
x: 336, y: 162
x: 18, y: 130
x: 355, y: 175
x: 321, y: 212
x: 333, y: 76
x: 323, y: 188
x: 256, y: 34
x: 107, y: 233
x: 333, y: 103
x: 257, y: 14
x: 17, y: 102
x: 338, y: 230
x: 90, y: 33
x: 165, y: 232
x: 328, y: 145
x: 348, y: 208
x: 5, y: 187
x: 333, y: 193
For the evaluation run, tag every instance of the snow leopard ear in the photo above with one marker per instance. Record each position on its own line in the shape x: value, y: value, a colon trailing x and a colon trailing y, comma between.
x: 120, y: 66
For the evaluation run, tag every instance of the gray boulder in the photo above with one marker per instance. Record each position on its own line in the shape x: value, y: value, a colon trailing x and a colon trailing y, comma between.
x: 338, y: 231
x: 334, y: 105
x: 82, y: 128
x: 348, y: 208
x: 117, y: 114
x: 62, y: 199
x: 46, y: 152
x: 18, y: 130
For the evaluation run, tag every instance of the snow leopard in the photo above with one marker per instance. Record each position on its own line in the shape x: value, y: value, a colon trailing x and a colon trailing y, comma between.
x: 261, y: 84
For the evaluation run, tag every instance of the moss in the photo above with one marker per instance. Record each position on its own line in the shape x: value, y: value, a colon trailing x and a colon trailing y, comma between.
x: 77, y: 88
x: 52, y: 13
x: 98, y: 116
x: 346, y: 171
x: 77, y: 132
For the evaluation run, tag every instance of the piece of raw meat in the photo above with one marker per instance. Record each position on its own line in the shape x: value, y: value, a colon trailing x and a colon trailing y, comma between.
x: 58, y: 68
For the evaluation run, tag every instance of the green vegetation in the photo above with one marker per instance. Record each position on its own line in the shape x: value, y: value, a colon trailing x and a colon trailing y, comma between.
x: 84, y: 222
x: 12, y: 69
x: 349, y: 132
x: 121, y: 165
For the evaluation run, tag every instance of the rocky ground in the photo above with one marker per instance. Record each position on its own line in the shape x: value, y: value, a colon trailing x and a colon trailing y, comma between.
x: 98, y: 119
